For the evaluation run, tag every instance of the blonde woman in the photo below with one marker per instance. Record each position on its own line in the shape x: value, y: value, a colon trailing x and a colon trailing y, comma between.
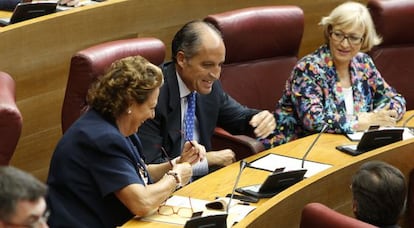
x: 338, y: 85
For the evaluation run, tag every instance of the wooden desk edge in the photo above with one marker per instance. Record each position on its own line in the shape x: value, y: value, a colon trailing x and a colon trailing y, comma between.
x: 386, y: 153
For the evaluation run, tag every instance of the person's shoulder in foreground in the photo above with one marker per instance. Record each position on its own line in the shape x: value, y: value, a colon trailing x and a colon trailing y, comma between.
x: 22, y: 199
x: 379, y: 194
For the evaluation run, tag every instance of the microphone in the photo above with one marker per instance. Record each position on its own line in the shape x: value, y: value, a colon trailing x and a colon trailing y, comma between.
x: 218, y: 220
x: 313, y: 143
x: 243, y: 165
x: 407, y: 120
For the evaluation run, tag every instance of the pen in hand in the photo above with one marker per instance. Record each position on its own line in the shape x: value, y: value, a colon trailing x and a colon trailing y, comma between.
x: 192, y: 144
x: 167, y: 157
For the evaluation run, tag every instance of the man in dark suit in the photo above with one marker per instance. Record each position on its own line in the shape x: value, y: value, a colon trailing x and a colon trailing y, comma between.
x: 8, y: 5
x: 198, y: 53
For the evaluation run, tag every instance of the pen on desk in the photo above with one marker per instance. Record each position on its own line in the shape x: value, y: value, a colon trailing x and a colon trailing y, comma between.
x: 166, y: 156
x: 280, y: 169
x: 243, y: 203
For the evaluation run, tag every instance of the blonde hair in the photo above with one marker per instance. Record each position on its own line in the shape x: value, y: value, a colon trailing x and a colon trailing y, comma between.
x: 352, y: 15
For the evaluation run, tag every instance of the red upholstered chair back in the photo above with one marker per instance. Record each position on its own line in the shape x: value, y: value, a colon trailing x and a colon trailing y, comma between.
x: 88, y: 64
x: 10, y: 119
x: 394, y: 21
x: 321, y: 216
x: 262, y: 44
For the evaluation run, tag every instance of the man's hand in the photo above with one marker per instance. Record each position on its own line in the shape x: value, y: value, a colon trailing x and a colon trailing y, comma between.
x: 192, y: 153
x: 220, y: 157
x: 264, y: 123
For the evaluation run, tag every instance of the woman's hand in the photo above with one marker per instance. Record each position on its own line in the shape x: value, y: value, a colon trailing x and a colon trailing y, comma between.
x: 184, y: 171
x: 192, y: 153
x: 384, y: 118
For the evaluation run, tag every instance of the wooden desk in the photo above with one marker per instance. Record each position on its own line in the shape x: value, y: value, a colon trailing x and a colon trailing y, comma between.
x: 330, y: 187
x: 5, y: 14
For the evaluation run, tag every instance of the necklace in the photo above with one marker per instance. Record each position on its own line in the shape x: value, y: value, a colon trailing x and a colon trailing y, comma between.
x: 141, y: 170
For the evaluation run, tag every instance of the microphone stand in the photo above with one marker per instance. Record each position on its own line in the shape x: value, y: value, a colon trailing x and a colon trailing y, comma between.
x: 313, y: 143
x: 243, y: 165
x: 407, y: 120
x: 219, y: 220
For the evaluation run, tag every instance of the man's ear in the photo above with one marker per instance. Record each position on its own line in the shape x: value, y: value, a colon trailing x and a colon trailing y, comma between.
x: 355, y: 207
x: 180, y: 58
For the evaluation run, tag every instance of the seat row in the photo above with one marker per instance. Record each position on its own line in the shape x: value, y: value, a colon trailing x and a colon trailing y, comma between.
x: 262, y: 45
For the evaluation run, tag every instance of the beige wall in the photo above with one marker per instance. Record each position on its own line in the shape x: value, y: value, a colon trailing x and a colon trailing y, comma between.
x: 37, y: 54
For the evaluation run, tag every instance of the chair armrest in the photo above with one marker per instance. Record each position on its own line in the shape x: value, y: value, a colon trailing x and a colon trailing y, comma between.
x: 242, y: 145
x: 10, y: 119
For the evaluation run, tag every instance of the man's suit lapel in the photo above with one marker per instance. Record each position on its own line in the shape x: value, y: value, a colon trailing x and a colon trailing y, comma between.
x: 173, y: 90
x: 174, y: 109
x: 200, y: 113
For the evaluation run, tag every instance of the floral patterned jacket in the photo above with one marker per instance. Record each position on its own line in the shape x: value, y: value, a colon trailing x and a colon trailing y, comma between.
x: 313, y: 97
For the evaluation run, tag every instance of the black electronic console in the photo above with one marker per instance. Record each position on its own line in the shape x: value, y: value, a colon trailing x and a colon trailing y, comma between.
x: 373, y: 139
x: 274, y: 183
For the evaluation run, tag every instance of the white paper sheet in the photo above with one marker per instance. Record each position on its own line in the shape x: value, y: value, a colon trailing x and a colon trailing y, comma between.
x: 271, y: 162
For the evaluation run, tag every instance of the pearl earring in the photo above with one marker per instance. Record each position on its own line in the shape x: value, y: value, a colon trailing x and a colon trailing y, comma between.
x: 129, y: 111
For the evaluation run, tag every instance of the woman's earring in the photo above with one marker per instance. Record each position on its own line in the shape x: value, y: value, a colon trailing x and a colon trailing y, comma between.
x: 129, y: 111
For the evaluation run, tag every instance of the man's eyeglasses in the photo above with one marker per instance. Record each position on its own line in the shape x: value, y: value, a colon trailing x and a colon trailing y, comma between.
x: 352, y: 39
x: 184, y: 212
x: 38, y: 221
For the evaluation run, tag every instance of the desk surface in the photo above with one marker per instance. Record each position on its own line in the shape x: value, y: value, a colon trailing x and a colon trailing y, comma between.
x: 284, y: 209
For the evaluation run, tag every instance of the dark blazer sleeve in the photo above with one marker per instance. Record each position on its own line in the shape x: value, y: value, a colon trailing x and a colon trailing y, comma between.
x: 233, y: 117
x: 8, y: 5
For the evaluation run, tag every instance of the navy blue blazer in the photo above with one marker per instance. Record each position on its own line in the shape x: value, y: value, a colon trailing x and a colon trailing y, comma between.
x: 91, y: 162
x: 214, y: 109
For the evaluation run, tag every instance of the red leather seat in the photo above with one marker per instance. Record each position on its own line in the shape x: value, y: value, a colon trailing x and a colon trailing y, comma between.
x: 262, y: 44
x: 10, y: 119
x: 320, y: 216
x: 88, y: 64
x: 394, y: 57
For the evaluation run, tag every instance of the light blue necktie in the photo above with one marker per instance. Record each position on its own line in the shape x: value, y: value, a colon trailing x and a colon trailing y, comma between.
x: 190, y: 116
